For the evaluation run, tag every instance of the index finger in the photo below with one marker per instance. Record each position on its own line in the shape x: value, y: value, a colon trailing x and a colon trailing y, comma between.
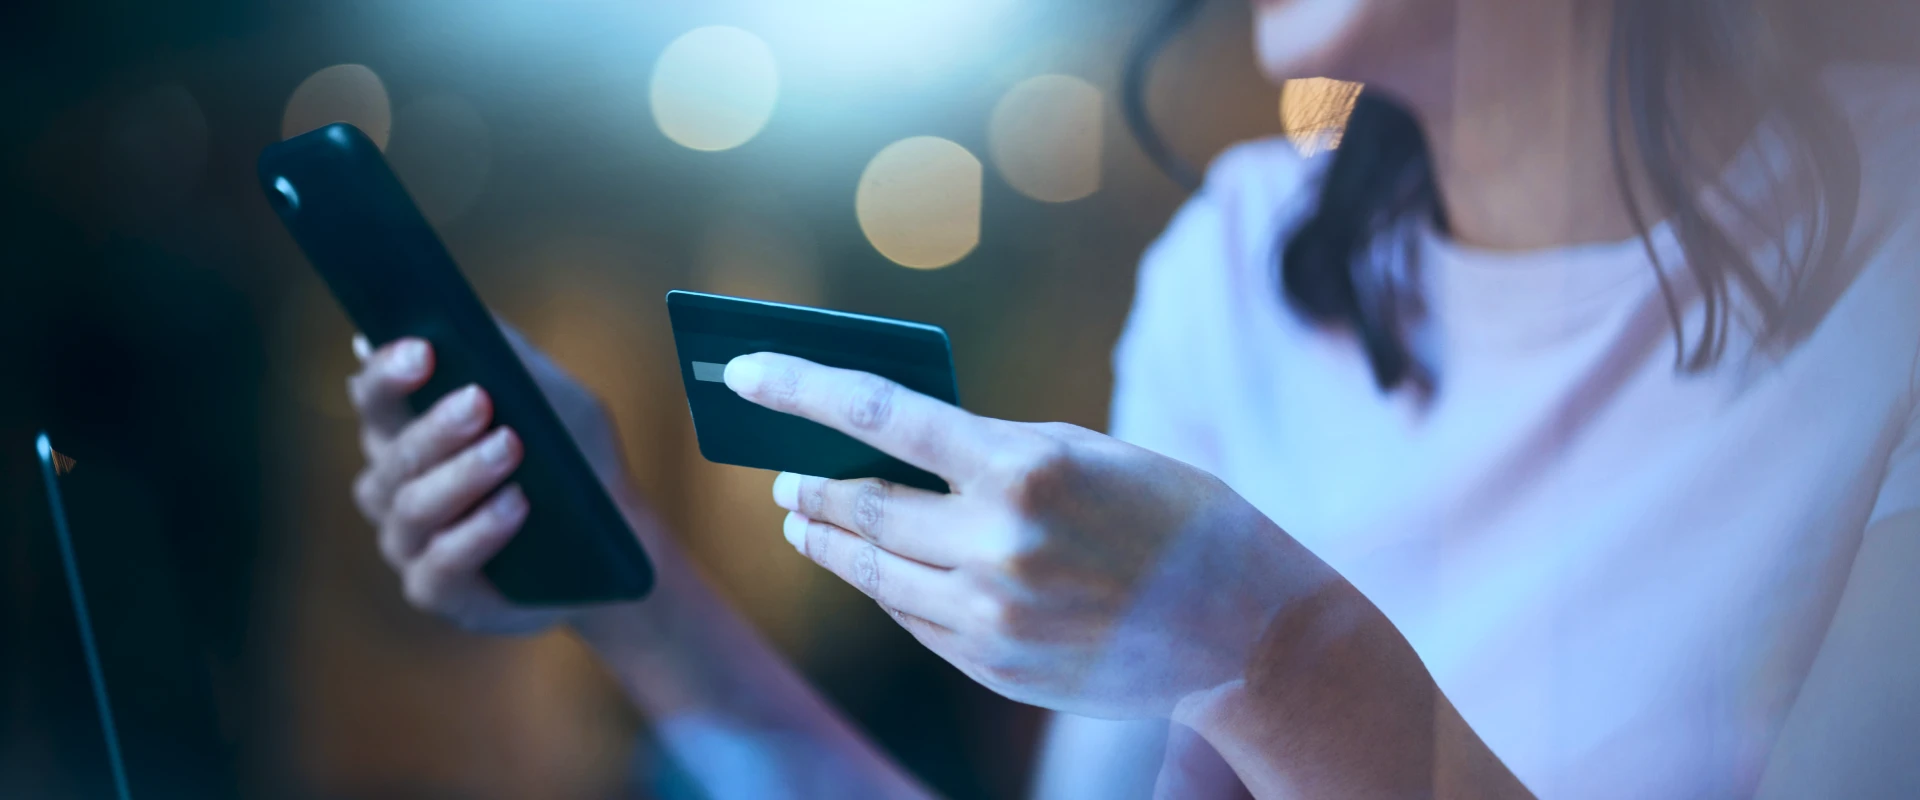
x: 379, y: 390
x: 893, y: 419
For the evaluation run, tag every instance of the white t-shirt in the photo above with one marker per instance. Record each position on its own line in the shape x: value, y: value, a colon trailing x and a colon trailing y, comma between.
x: 1619, y: 573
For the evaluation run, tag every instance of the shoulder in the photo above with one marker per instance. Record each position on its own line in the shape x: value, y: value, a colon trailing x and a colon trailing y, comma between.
x: 1253, y: 191
x: 1207, y: 288
x: 1263, y: 183
x: 1204, y: 293
x: 1213, y: 264
x: 1270, y: 169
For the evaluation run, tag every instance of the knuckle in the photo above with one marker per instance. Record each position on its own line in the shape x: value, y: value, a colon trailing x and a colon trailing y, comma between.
x: 997, y: 550
x: 869, y: 506
x: 1004, y: 465
x: 1038, y: 477
x: 991, y: 615
x: 870, y: 406
x: 1024, y: 564
x: 813, y: 545
x: 866, y: 569
x: 781, y: 390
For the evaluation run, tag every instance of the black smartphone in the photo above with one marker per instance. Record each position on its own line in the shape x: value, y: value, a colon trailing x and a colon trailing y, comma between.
x: 389, y: 271
x: 709, y: 330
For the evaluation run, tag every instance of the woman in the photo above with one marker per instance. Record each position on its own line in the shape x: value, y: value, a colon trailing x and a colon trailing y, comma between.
x: 1555, y: 435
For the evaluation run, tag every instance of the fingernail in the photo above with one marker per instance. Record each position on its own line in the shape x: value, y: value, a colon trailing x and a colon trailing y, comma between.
x: 410, y: 357
x: 743, y: 374
x: 360, y: 347
x: 494, y: 449
x: 795, y: 529
x: 467, y: 406
x: 786, y: 491
x: 510, y: 504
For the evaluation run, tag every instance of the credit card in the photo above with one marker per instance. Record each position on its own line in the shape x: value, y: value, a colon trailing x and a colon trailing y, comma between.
x: 710, y: 330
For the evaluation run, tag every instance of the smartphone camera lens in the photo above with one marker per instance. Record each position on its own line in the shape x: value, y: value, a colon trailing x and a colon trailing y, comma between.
x: 285, y: 199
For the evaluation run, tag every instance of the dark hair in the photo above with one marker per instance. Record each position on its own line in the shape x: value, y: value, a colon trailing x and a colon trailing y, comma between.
x: 1666, y: 57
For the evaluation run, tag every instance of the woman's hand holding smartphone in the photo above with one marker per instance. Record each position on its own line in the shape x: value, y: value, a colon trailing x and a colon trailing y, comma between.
x: 435, y: 484
x: 388, y: 269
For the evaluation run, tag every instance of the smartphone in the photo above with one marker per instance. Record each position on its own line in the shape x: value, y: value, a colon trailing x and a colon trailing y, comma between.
x: 394, y: 278
x: 709, y: 330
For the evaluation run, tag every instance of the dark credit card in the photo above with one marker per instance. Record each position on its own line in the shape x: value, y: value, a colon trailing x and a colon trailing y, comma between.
x: 709, y: 330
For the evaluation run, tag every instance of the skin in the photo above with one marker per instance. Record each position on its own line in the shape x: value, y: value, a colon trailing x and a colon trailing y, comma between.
x: 1055, y: 569
x: 698, y: 670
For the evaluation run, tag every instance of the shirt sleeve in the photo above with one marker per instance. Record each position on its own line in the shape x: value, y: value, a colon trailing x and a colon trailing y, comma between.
x: 1158, y: 381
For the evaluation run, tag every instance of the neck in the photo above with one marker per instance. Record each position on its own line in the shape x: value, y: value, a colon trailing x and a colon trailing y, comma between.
x: 1518, y: 126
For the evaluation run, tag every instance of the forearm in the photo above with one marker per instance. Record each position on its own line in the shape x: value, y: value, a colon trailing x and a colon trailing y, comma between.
x: 1082, y: 758
x: 1335, y: 703
x: 719, y: 695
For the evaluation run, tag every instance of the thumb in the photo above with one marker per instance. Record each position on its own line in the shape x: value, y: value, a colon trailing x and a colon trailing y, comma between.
x: 1191, y: 768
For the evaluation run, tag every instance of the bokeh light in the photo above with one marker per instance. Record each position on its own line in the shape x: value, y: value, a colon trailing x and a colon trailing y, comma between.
x: 714, y: 88
x: 442, y: 153
x: 1044, y: 136
x: 349, y: 93
x: 1314, y: 111
x: 919, y: 202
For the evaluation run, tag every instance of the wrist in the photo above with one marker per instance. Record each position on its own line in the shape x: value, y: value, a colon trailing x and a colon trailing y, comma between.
x: 1258, y: 626
x: 631, y: 639
x: 614, y: 628
x: 1333, y: 702
x: 621, y: 632
x: 652, y: 649
x: 1303, y: 652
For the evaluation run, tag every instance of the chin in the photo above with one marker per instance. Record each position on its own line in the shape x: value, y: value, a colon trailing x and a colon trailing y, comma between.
x: 1309, y: 38
x: 1364, y: 41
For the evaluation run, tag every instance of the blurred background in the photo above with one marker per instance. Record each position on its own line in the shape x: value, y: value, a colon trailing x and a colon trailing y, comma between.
x: 959, y: 162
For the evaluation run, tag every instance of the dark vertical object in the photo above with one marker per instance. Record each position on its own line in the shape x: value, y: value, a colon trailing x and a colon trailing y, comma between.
x: 76, y: 590
x: 1133, y: 90
x: 159, y: 733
